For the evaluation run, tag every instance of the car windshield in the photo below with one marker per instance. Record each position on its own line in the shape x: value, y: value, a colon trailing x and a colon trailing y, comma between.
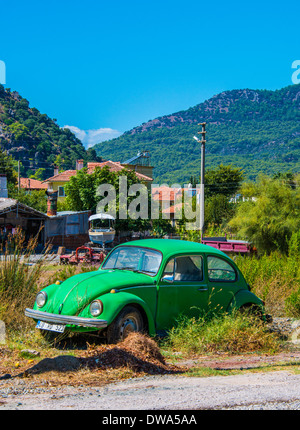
x: 134, y: 258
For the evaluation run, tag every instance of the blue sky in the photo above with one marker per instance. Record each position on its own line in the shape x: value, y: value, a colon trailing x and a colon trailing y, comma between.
x: 105, y: 67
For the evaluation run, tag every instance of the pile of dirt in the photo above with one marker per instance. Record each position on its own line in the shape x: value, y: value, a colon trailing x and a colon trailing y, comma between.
x: 143, y: 347
x: 137, y: 352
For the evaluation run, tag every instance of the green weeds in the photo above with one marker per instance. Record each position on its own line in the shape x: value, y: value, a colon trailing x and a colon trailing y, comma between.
x: 274, y: 278
x: 228, y: 333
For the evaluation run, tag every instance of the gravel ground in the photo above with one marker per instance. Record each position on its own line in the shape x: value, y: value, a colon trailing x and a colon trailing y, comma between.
x: 248, y: 391
x: 273, y: 390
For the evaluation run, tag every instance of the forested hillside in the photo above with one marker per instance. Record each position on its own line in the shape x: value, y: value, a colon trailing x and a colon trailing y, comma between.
x: 34, y: 138
x: 256, y: 130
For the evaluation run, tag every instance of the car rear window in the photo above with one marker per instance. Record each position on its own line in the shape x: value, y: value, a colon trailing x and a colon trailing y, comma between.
x: 220, y: 270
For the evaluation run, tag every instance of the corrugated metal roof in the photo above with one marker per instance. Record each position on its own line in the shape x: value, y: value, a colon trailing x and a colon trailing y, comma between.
x: 68, y: 213
x: 7, y: 205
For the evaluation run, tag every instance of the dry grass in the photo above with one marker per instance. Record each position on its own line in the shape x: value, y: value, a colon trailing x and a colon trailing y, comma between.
x: 18, y: 279
x: 137, y: 353
x: 97, y: 364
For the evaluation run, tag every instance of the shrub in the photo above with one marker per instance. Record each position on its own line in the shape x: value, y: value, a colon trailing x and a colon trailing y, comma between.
x: 233, y: 333
x: 273, y: 277
x: 270, y: 215
x: 292, y: 304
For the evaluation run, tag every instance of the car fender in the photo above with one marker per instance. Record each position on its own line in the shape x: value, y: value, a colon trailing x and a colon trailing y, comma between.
x: 50, y: 290
x: 114, y: 302
x: 244, y: 297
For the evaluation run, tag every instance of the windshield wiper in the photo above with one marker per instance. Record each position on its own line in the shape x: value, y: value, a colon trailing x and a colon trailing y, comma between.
x: 144, y: 271
x: 132, y: 270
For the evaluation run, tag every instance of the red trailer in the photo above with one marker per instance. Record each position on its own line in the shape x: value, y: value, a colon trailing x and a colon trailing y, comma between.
x: 235, y: 246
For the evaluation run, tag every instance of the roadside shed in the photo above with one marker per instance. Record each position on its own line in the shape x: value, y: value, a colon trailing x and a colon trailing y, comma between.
x: 68, y: 229
x: 14, y: 214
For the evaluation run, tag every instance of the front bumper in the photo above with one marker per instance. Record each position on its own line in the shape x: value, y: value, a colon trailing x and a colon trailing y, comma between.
x: 65, y: 319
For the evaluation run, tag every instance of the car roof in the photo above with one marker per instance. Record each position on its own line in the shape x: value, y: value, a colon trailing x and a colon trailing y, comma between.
x: 172, y: 246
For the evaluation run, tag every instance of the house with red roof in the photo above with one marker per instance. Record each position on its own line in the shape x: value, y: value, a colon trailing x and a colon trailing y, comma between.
x: 173, y: 199
x: 29, y: 184
x: 58, y: 181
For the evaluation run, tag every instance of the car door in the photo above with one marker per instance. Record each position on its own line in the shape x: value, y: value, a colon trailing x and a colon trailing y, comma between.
x: 182, y: 290
x: 223, y: 282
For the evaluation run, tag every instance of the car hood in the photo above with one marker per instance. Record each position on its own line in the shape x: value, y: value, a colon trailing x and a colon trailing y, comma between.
x: 76, y: 292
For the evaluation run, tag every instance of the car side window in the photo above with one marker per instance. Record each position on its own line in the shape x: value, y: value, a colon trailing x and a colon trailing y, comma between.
x: 188, y: 268
x: 220, y: 270
x: 168, y: 274
x: 185, y: 268
x: 169, y: 269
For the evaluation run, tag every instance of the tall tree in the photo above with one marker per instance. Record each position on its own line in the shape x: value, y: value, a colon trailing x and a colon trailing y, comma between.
x: 225, y: 180
x: 7, y: 167
x: 82, y: 194
x: 270, y: 214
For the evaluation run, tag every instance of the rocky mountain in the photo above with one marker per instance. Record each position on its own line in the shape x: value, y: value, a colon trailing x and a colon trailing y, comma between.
x: 256, y: 130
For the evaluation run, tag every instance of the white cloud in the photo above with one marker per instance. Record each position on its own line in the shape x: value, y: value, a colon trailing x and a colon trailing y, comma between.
x: 90, y: 137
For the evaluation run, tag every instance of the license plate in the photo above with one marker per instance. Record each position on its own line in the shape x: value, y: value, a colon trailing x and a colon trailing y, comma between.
x: 51, y: 327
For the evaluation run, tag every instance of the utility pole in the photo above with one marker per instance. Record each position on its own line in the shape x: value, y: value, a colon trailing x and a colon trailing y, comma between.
x: 19, y: 175
x: 202, y: 176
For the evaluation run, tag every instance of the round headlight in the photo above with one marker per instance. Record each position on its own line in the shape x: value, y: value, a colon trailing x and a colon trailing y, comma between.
x: 96, y: 308
x: 41, y: 299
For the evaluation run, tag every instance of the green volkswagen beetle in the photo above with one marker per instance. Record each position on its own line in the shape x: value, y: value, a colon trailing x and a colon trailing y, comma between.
x: 144, y: 286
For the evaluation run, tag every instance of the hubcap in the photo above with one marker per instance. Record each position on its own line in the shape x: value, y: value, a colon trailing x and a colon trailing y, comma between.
x: 128, y: 326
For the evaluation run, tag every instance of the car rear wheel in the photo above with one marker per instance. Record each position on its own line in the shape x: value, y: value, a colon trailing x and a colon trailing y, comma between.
x: 252, y: 310
x: 129, y: 320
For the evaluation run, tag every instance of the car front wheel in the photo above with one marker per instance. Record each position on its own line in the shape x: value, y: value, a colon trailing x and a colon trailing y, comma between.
x: 129, y: 320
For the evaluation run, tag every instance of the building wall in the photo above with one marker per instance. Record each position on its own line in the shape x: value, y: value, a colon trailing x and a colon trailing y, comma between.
x: 69, y: 230
x: 144, y: 170
x: 55, y: 185
x: 70, y: 242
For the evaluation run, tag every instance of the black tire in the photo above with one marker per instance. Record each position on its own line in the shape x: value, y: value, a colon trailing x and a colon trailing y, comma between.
x: 129, y: 320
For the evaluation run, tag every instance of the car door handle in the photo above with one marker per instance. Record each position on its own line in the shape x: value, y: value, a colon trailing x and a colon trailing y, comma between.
x: 203, y: 289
